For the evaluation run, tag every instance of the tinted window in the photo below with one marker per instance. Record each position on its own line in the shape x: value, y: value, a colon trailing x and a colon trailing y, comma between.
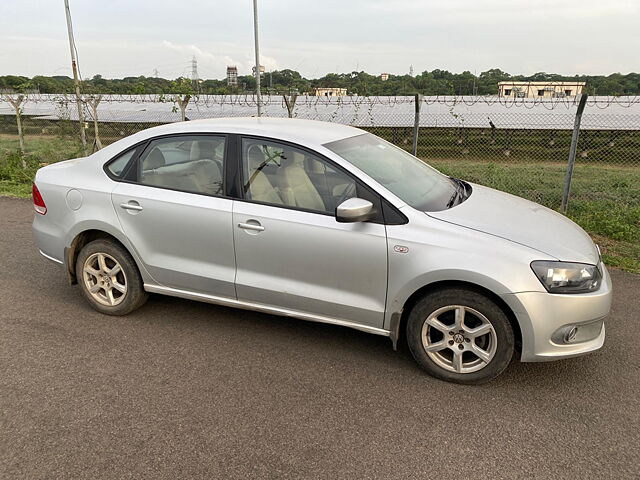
x: 117, y: 166
x: 283, y: 175
x: 186, y: 163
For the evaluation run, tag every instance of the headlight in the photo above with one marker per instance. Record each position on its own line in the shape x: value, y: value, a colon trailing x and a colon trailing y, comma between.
x: 564, y: 277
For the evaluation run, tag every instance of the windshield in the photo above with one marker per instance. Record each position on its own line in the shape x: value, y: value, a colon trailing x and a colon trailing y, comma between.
x: 404, y: 175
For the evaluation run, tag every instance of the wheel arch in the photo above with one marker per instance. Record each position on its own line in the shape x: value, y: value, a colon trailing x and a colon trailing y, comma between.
x: 77, y: 244
x: 399, y: 319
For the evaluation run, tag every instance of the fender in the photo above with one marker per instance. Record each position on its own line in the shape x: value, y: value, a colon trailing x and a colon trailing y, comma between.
x: 422, y: 283
x: 101, y: 226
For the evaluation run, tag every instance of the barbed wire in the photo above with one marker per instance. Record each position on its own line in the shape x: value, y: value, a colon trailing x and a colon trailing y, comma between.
x: 310, y: 101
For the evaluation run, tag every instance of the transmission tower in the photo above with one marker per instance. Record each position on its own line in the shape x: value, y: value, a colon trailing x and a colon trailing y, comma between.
x: 155, y: 72
x: 411, y: 70
x: 194, y: 70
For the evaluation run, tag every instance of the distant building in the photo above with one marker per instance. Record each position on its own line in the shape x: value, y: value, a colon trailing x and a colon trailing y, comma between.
x: 330, y: 92
x: 384, y: 77
x: 253, y: 70
x: 232, y: 76
x: 540, y: 89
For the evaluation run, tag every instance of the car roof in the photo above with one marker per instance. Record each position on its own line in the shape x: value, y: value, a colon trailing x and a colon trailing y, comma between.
x: 310, y: 133
x: 291, y: 129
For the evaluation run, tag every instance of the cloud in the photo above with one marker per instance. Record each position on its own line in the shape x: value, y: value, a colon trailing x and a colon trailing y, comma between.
x: 210, y: 62
x: 124, y: 38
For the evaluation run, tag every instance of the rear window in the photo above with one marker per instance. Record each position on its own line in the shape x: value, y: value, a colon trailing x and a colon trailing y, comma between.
x: 117, y: 166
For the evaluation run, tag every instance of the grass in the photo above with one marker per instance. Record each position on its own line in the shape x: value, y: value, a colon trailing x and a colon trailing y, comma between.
x: 40, y: 150
x: 605, y: 199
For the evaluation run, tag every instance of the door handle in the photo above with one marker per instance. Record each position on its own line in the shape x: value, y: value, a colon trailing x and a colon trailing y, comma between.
x: 131, y: 206
x: 251, y: 226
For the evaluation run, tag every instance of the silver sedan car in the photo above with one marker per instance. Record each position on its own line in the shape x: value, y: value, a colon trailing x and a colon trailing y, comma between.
x: 327, y: 223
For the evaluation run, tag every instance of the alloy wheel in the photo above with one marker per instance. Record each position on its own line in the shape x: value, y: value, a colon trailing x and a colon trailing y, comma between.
x: 105, y: 279
x: 459, y: 339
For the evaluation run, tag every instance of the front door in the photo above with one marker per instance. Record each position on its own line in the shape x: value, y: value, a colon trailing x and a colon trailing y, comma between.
x: 290, y: 250
x: 175, y: 216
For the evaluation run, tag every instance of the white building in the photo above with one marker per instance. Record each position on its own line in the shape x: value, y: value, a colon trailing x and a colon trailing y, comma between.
x: 330, y: 92
x: 540, y: 89
x: 232, y: 75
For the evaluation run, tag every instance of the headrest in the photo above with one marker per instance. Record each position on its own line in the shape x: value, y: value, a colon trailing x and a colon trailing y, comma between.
x: 155, y: 159
x: 314, y: 165
x: 194, y: 152
x: 255, y: 156
x: 291, y: 158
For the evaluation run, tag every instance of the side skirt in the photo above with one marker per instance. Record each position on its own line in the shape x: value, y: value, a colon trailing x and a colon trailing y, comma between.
x: 259, y: 307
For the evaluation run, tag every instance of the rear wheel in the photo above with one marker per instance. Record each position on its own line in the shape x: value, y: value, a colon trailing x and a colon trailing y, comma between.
x: 109, y: 278
x: 460, y: 336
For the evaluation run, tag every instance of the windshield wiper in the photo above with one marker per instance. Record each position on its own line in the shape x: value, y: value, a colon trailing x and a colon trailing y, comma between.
x: 459, y: 194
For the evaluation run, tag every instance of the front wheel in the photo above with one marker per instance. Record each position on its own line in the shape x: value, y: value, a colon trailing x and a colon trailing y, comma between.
x: 460, y: 336
x: 109, y: 278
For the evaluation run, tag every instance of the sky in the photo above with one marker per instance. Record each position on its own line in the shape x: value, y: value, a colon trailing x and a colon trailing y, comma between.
x: 119, y: 38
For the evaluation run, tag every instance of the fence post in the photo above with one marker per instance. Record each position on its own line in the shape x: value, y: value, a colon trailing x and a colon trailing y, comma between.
x: 290, y: 103
x: 416, y: 122
x: 15, y: 103
x: 93, y: 103
x: 182, y: 103
x: 572, y: 153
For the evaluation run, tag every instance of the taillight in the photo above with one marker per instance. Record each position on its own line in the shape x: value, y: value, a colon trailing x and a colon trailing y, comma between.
x: 38, y: 202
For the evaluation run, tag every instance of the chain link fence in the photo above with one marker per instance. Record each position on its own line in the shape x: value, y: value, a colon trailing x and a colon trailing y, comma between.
x: 519, y: 145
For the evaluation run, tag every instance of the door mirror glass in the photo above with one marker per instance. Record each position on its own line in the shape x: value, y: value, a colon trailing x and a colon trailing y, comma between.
x: 354, y: 210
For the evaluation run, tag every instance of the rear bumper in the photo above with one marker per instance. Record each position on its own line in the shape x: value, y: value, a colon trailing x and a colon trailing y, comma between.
x: 48, y: 239
x: 561, y: 326
x: 48, y: 257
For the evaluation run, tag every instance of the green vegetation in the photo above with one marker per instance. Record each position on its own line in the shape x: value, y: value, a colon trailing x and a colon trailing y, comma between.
x: 435, y: 82
x: 15, y: 180
x: 605, y: 198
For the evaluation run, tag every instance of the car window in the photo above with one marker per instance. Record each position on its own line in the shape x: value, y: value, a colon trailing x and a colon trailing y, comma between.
x: 117, y: 166
x: 283, y: 175
x: 187, y: 163
x: 404, y: 175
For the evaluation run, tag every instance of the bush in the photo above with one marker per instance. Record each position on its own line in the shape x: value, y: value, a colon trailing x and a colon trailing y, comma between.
x: 12, y: 167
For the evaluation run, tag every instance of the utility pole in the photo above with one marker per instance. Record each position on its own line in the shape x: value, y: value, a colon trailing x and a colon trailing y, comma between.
x: 74, y: 67
x: 255, y: 34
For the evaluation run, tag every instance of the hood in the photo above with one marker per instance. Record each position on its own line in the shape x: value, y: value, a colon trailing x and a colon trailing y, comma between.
x: 524, y: 222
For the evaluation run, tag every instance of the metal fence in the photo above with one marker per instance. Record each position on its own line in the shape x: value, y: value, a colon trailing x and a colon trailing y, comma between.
x: 521, y: 145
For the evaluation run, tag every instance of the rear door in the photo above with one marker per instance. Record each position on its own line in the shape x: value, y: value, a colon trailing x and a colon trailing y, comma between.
x: 291, y: 252
x: 173, y: 210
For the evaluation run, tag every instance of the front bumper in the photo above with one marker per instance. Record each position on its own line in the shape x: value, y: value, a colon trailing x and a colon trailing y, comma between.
x: 560, y: 326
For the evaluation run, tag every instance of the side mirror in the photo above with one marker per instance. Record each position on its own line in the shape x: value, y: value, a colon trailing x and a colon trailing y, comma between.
x: 354, y: 210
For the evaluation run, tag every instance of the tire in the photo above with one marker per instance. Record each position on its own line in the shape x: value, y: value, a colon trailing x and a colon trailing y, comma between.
x: 473, y: 351
x: 97, y: 276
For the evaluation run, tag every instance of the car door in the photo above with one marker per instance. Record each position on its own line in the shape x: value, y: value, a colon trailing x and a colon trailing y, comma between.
x: 173, y: 210
x: 291, y: 252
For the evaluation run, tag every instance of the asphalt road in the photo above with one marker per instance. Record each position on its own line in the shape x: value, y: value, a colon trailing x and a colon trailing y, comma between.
x: 182, y: 389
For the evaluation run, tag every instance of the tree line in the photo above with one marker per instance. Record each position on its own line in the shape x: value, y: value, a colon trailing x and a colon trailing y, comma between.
x: 435, y: 82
